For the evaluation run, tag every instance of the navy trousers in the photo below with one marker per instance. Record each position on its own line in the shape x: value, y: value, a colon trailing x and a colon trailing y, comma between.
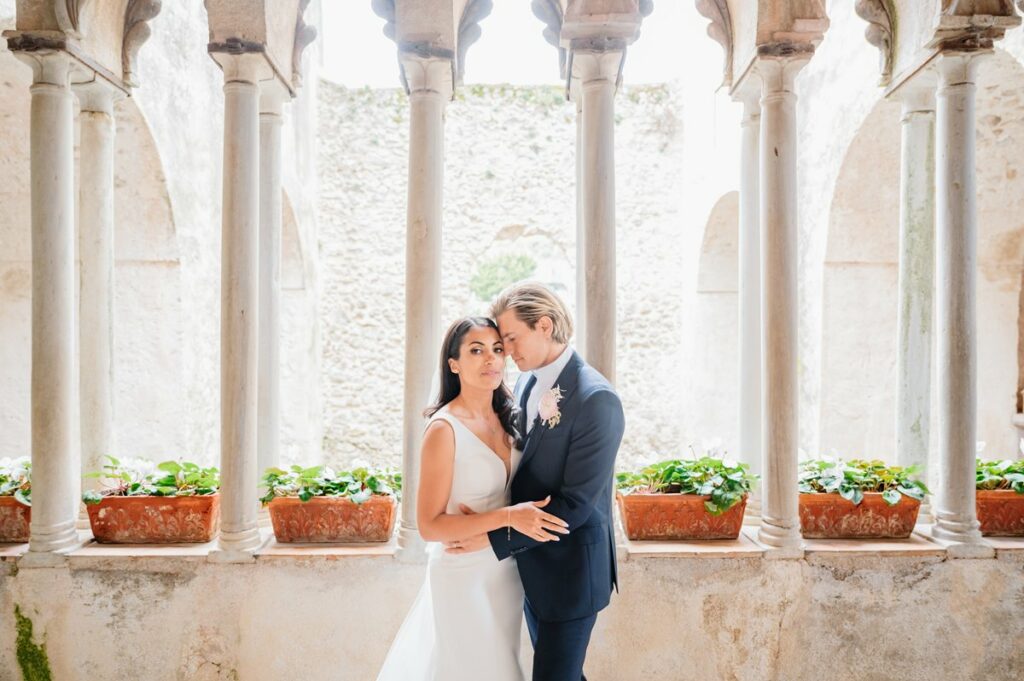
x: 559, y: 648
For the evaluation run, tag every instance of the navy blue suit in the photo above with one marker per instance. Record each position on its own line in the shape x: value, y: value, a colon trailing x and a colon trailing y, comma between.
x: 567, y: 582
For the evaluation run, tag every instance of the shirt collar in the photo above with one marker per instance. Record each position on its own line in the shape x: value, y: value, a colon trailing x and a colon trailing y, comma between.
x: 547, y: 375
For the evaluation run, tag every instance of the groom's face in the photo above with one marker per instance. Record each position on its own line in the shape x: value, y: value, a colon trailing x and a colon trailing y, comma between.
x: 527, y: 347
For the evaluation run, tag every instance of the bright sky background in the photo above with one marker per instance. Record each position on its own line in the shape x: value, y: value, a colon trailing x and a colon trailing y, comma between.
x: 512, y: 48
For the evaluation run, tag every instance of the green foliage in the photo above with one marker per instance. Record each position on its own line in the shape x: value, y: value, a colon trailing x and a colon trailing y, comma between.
x: 725, y: 481
x: 357, y: 485
x: 16, y: 479
x: 850, y: 479
x: 140, y: 477
x: 1006, y: 474
x: 494, y: 275
x: 32, y: 659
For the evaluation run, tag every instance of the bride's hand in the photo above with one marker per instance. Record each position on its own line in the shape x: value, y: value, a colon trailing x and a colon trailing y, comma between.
x: 529, y: 519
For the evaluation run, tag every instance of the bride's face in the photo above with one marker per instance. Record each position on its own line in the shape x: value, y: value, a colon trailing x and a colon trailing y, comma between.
x: 527, y: 347
x: 481, y: 362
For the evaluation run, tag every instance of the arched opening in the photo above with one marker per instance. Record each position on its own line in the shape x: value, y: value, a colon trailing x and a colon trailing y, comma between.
x: 715, y: 367
x: 861, y: 274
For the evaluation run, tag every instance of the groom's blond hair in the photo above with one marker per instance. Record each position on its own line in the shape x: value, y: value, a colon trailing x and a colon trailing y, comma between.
x: 531, y: 301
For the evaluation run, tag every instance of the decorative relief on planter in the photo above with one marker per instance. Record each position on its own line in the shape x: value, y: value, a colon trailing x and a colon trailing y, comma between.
x: 155, y: 520
x: 328, y: 519
x: 14, y: 520
x: 675, y: 517
x: 1000, y: 512
x: 829, y: 516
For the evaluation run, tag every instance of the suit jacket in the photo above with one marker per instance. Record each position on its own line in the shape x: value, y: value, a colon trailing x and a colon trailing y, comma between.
x: 574, y: 462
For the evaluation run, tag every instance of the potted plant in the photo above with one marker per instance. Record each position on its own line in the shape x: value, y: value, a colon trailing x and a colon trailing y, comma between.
x: 1000, y: 497
x: 858, y: 499
x: 317, y: 504
x: 142, y: 503
x: 685, y: 499
x: 15, y: 499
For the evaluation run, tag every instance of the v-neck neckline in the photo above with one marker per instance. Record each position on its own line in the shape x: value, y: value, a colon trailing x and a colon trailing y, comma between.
x: 508, y: 467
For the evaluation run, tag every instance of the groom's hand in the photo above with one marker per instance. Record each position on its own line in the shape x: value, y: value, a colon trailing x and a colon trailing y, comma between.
x: 471, y: 545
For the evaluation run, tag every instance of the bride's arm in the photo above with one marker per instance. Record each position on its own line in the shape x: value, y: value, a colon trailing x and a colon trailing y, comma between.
x: 437, y: 467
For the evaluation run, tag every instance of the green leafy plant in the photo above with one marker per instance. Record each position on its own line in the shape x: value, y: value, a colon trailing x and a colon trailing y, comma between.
x: 1006, y: 474
x: 494, y: 275
x: 851, y: 479
x: 16, y: 479
x: 141, y: 477
x: 357, y: 485
x: 725, y: 481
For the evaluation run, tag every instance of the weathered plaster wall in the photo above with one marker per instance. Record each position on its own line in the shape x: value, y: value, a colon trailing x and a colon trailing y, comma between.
x: 509, y: 188
x: 747, y: 619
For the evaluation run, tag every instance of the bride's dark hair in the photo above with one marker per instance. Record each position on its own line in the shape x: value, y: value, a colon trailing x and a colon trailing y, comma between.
x: 502, y: 402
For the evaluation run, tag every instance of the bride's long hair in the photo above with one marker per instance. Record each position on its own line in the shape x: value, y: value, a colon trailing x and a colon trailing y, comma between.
x: 502, y: 401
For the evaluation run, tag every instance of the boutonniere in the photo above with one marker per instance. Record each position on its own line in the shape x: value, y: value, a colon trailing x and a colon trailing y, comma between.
x: 548, y: 410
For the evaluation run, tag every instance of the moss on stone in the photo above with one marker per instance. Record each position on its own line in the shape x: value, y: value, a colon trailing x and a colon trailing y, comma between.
x: 35, y: 666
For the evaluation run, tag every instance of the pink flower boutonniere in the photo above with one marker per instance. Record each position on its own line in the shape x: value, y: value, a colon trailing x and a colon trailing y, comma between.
x: 548, y: 410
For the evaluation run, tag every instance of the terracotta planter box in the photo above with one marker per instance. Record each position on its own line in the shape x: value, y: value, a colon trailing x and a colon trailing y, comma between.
x: 1000, y: 512
x: 829, y: 516
x: 155, y: 520
x: 334, y: 520
x: 673, y: 517
x: 14, y: 520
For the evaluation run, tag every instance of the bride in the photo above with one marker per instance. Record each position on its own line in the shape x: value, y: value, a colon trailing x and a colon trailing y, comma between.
x: 465, y: 623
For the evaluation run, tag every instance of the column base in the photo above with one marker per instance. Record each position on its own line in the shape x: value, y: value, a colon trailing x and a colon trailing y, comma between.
x: 782, y: 542
x: 54, y: 539
x: 237, y: 547
x: 961, y: 537
x: 263, y: 519
x: 411, y: 547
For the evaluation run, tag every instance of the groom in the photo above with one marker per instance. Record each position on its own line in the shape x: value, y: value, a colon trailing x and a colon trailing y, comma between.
x: 571, y: 423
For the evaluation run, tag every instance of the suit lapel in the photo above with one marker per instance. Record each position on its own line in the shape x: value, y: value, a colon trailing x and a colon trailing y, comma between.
x: 567, y: 381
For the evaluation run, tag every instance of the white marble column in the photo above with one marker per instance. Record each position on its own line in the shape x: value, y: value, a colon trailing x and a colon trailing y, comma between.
x: 56, y: 462
x: 956, y: 328
x: 239, y: 330
x: 596, y: 72
x: 916, y: 278
x: 750, y: 297
x: 430, y: 88
x: 96, y: 275
x: 581, y: 232
x: 272, y: 97
x: 780, y: 524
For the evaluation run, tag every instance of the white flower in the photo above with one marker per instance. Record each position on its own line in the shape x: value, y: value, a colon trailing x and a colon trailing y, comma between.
x: 979, y: 446
x: 548, y: 410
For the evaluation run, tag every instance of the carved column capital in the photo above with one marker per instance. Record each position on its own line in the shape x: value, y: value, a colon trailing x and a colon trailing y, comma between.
x: 98, y: 96
x: 304, y: 37
x: 879, y: 14
x: 719, y: 30
x: 137, y: 16
x: 427, y: 75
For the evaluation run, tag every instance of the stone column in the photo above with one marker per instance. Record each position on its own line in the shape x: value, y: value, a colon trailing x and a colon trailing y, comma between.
x: 916, y: 278
x: 780, y: 524
x: 750, y: 297
x: 96, y: 276
x: 430, y: 88
x: 56, y: 463
x: 239, y: 534
x: 272, y: 98
x: 581, y: 232
x: 956, y: 262
x: 597, y: 71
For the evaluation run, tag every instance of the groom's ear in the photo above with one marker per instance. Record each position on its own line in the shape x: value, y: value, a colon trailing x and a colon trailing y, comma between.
x: 546, y: 326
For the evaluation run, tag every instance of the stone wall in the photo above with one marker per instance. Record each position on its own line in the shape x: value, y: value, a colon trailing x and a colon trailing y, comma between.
x: 906, y: 617
x: 509, y: 189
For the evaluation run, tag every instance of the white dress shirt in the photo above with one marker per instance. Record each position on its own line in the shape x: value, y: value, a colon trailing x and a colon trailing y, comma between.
x: 546, y: 377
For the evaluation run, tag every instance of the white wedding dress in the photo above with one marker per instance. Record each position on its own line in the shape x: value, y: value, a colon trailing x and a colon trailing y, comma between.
x: 465, y: 623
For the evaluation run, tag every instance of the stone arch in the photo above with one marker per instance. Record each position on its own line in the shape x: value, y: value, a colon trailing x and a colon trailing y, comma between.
x: 714, y: 330
x: 293, y: 273
x: 858, y: 394
x: 148, y: 294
